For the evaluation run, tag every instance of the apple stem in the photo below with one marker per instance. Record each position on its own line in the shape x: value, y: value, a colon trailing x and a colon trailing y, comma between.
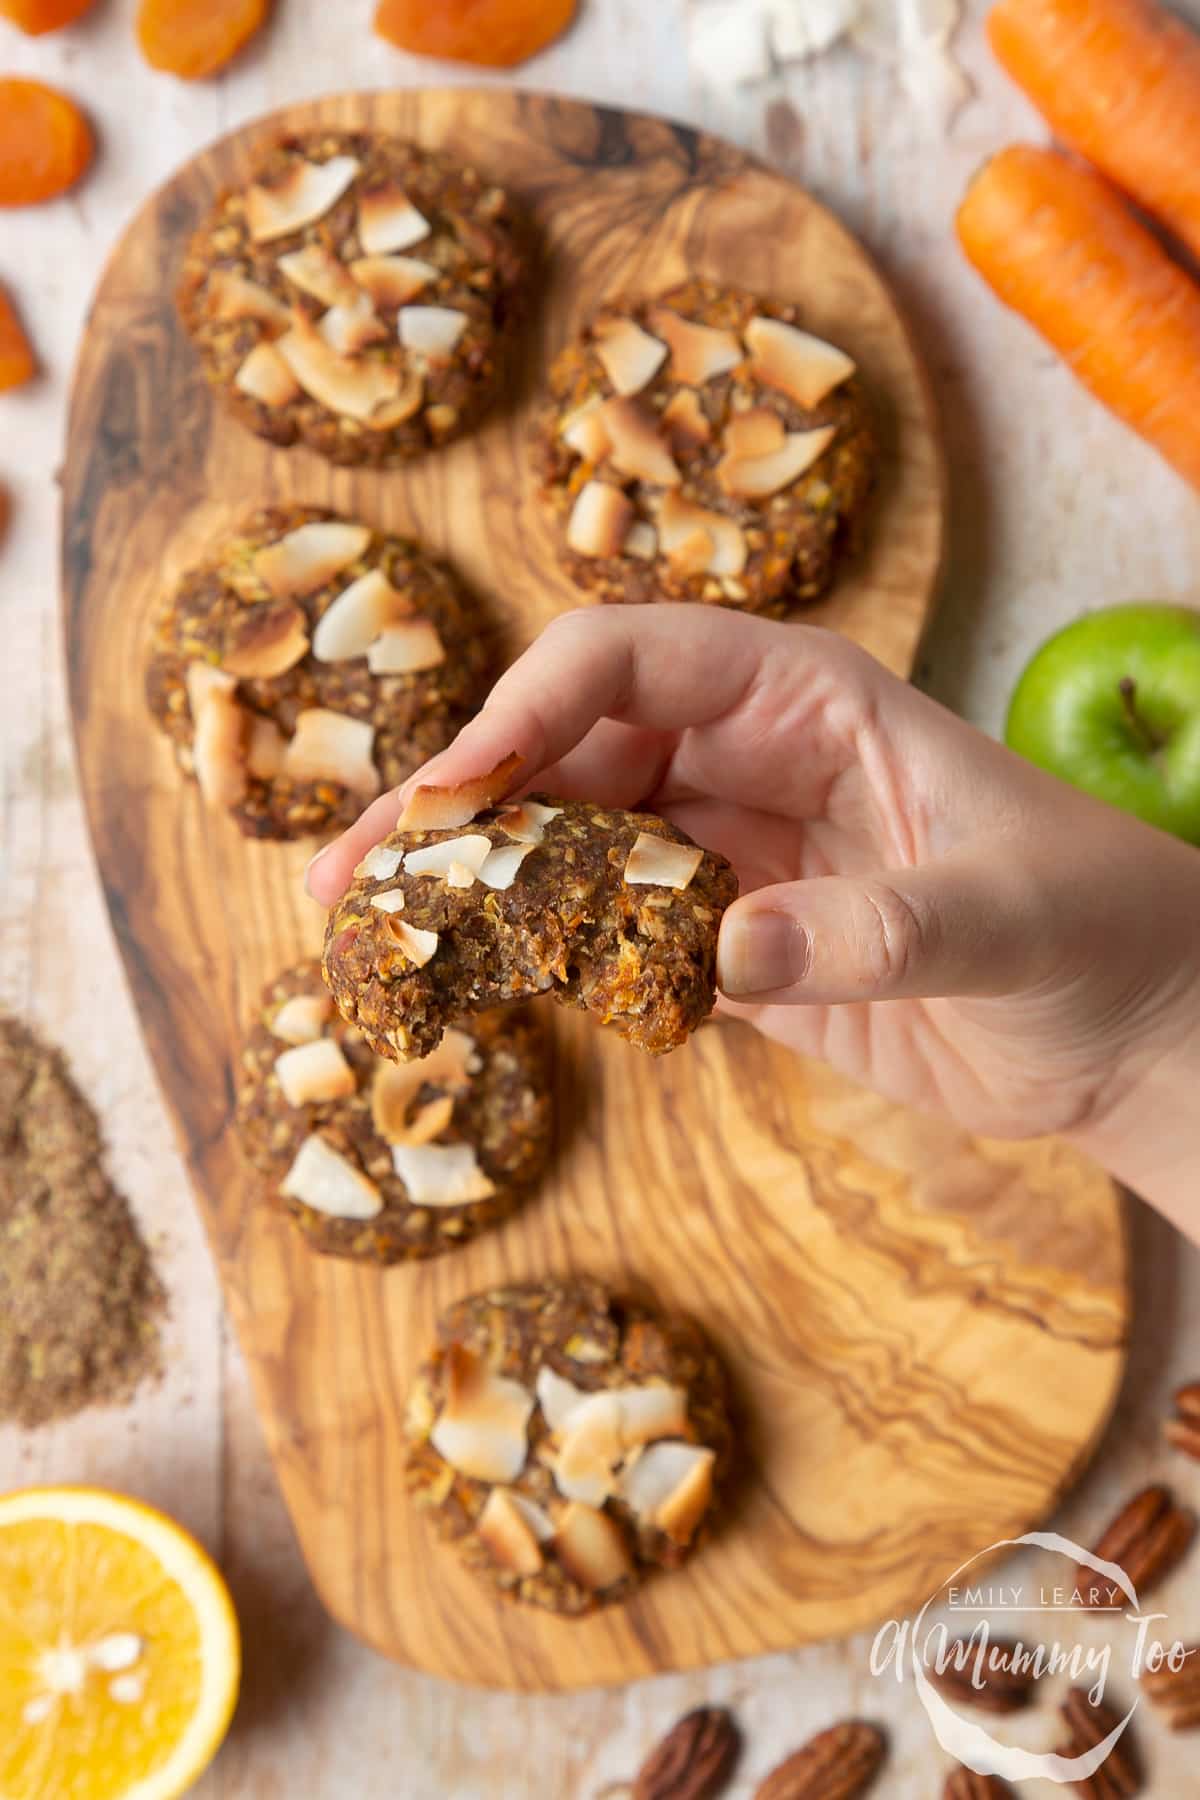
x: 1127, y: 688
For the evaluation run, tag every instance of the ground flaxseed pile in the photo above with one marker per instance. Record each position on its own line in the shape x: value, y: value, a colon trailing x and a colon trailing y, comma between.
x: 80, y: 1303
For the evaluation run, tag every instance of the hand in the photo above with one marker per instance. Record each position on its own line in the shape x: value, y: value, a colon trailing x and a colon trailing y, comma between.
x: 1038, y: 953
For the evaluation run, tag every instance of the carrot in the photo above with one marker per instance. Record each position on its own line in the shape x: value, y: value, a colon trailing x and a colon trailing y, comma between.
x: 1060, y: 246
x: 1119, y: 81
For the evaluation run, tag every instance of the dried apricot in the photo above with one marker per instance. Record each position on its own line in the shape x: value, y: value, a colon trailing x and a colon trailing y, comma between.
x: 194, y: 38
x: 16, y: 355
x: 45, y: 142
x: 499, y: 32
x: 36, y: 16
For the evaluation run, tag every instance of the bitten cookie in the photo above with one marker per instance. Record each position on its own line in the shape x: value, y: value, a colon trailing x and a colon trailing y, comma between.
x: 386, y: 1161
x: 357, y: 296
x: 701, y: 446
x: 310, y: 663
x: 471, y: 904
x: 569, y: 1442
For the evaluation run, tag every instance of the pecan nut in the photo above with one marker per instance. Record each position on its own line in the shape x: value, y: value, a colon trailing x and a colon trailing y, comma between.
x: 1146, y: 1539
x: 1002, y: 1688
x: 1119, y: 1776
x: 1176, y: 1692
x: 838, y: 1764
x: 1183, y: 1431
x: 693, y: 1761
x: 965, y: 1784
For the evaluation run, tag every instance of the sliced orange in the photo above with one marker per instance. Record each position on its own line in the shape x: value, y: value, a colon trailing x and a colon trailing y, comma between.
x: 119, y: 1650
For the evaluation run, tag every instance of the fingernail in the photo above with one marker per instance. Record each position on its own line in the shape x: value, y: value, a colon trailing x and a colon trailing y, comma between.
x: 760, y: 952
x: 311, y: 866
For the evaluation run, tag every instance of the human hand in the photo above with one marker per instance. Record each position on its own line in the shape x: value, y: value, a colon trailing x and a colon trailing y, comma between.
x: 1038, y: 953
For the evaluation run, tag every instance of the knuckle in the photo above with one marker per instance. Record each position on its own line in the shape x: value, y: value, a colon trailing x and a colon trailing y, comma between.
x: 895, y: 935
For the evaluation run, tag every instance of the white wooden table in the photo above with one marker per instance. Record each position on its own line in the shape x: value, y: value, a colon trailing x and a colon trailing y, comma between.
x: 1055, y: 509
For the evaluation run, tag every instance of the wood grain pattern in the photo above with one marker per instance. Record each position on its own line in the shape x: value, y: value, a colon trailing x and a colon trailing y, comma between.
x: 923, y: 1354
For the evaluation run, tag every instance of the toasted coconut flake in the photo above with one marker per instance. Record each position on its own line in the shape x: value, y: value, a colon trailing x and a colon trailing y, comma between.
x: 388, y: 220
x: 430, y: 330
x: 314, y: 1072
x: 698, y: 352
x: 266, y: 748
x: 526, y: 822
x: 406, y: 648
x: 330, y: 746
x: 429, y: 1122
x: 481, y: 1429
x: 754, y: 433
x: 670, y: 1487
x: 392, y: 280
x: 458, y: 875
x: 600, y: 520
x: 756, y: 477
x: 441, y: 1174
x: 804, y: 367
x: 583, y: 431
x: 267, y: 640
x: 592, y: 1548
x: 631, y: 357
x: 391, y: 902
x: 380, y: 863
x: 201, y: 680
x: 680, y: 522
x: 506, y: 1535
x: 685, y: 422
x: 438, y: 859
x: 219, y: 748
x: 642, y: 541
x: 322, y: 1178
x: 444, y: 808
x: 558, y: 1397
x: 657, y: 862
x: 301, y: 1019
x: 590, y: 1448
x: 536, y: 1517
x: 359, y: 389
x: 266, y: 377
x: 303, y: 192
x: 232, y: 296
x: 407, y: 402
x: 637, y: 449
x: 315, y: 270
x: 351, y: 623
x: 396, y: 1085
x: 502, y: 865
x: 654, y: 1410
x: 419, y: 946
x: 349, y: 329
x: 306, y: 558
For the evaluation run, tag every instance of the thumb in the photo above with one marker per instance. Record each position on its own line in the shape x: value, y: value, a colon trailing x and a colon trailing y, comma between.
x: 946, y: 928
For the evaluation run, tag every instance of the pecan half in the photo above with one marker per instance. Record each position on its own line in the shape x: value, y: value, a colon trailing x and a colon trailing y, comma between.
x: 1183, y: 1431
x: 1176, y: 1692
x: 1001, y: 1690
x: 964, y: 1784
x: 838, y: 1764
x: 1146, y: 1539
x: 693, y: 1761
x: 1119, y: 1776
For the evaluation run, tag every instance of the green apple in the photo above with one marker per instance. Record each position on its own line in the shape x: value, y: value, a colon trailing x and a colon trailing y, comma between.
x: 1112, y: 704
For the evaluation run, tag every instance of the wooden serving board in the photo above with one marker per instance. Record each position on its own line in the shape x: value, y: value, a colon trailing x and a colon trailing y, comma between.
x: 925, y: 1334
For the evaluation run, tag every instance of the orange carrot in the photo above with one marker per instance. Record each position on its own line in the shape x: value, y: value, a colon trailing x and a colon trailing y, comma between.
x: 16, y: 355
x: 1060, y: 246
x: 1119, y: 81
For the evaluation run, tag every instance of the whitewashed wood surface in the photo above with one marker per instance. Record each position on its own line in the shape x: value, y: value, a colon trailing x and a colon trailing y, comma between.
x: 1055, y: 509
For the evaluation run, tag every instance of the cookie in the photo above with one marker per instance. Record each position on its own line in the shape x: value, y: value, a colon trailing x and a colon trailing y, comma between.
x: 309, y: 664
x: 385, y: 1162
x: 569, y: 1442
x: 357, y: 296
x: 702, y: 446
x: 615, y: 912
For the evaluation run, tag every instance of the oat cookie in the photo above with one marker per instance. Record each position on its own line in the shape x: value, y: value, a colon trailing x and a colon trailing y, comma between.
x: 615, y: 912
x: 568, y: 1441
x: 310, y: 663
x: 382, y: 1161
x: 703, y: 446
x: 356, y: 296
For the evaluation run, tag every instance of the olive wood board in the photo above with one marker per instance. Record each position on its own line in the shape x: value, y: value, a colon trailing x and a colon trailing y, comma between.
x: 925, y: 1334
